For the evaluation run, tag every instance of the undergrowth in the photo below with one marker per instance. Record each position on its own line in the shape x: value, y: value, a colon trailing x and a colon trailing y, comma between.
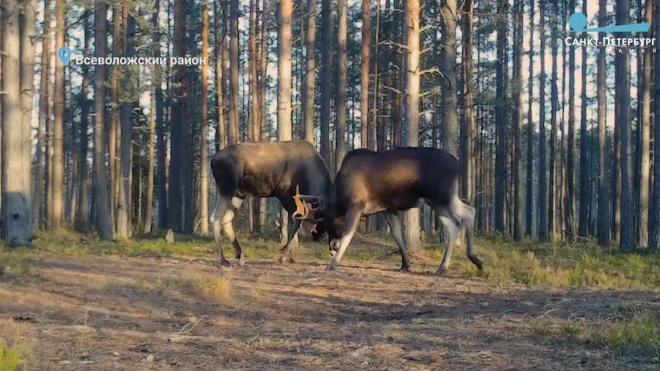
x: 12, y: 356
x: 526, y: 262
x: 634, y: 333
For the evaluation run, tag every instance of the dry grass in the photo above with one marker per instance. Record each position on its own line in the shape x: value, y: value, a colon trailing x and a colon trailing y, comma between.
x: 149, y: 305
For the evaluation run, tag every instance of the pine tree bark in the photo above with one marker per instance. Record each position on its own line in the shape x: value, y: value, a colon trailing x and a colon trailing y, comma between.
x: 203, y: 160
x: 56, y: 210
x: 341, y: 77
x: 161, y: 147
x: 585, y: 156
x: 80, y: 222
x: 410, y: 220
x: 364, y: 73
x: 310, y: 72
x: 326, y: 70
x: 284, y: 127
x: 654, y: 218
x: 467, y: 155
x: 603, y: 186
x: 644, y: 134
x: 16, y: 117
x: 571, y: 225
x: 529, y: 193
x: 543, y: 176
x: 518, y: 221
x: 124, y: 201
x: 554, y: 92
x: 627, y: 241
x: 44, y: 116
x: 500, y: 118
x: 103, y: 220
x: 232, y: 129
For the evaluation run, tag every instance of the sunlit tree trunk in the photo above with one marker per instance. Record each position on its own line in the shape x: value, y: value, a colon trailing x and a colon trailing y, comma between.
x: 203, y: 159
x: 543, y: 176
x: 411, y: 128
x: 644, y: 134
x: 623, y: 75
x: 284, y: 126
x: 232, y: 129
x: 56, y: 209
x: 603, y: 186
x: 500, y: 117
x: 341, y: 74
x: 654, y: 217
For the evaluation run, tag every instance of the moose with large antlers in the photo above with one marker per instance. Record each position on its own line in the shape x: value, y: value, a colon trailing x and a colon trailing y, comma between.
x: 265, y: 169
x: 387, y: 182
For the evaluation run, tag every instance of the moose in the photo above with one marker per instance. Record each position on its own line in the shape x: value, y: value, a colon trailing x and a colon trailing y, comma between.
x: 390, y: 181
x: 265, y: 169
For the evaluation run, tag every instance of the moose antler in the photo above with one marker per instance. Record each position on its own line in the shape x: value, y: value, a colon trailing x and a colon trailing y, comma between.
x: 304, y: 208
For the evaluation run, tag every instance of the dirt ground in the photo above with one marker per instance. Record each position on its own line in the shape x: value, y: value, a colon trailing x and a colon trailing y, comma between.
x: 117, y: 313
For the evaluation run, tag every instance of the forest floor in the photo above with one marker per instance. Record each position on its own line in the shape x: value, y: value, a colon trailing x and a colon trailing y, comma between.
x: 79, y: 304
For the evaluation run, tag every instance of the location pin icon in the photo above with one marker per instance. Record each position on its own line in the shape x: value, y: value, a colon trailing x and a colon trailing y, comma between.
x: 65, y: 54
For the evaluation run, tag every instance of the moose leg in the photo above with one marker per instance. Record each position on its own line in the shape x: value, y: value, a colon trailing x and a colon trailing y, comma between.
x: 286, y: 254
x: 227, y: 224
x: 452, y: 226
x: 468, y: 214
x: 350, y: 226
x: 222, y: 218
x: 395, y: 227
x: 221, y: 206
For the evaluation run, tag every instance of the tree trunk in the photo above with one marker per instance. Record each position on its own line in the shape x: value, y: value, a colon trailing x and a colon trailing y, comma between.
x: 161, y: 146
x: 123, y: 210
x: 543, y: 186
x: 310, y: 73
x: 44, y: 117
x: 603, y: 186
x: 644, y: 134
x: 585, y: 192
x: 341, y: 74
x: 500, y: 117
x: 518, y: 222
x: 114, y: 122
x: 284, y: 127
x: 623, y: 75
x: 203, y: 160
x: 56, y: 210
x: 571, y: 225
x: 554, y: 92
x: 326, y: 68
x: 529, y: 189
x: 364, y: 73
x: 654, y: 217
x: 263, y: 67
x: 80, y: 222
x: 411, y: 129
x: 232, y: 132
x: 220, y: 68
x: 17, y: 86
x: 102, y: 202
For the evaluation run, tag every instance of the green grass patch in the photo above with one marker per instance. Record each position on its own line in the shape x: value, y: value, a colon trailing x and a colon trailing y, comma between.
x: 13, y: 356
x: 557, y: 264
x: 634, y: 333
x: 525, y: 262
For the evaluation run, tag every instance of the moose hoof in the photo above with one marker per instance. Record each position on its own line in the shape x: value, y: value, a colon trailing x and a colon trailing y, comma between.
x: 331, y: 267
x: 286, y: 259
x: 241, y: 261
x: 404, y: 268
x: 440, y: 272
x: 223, y: 263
